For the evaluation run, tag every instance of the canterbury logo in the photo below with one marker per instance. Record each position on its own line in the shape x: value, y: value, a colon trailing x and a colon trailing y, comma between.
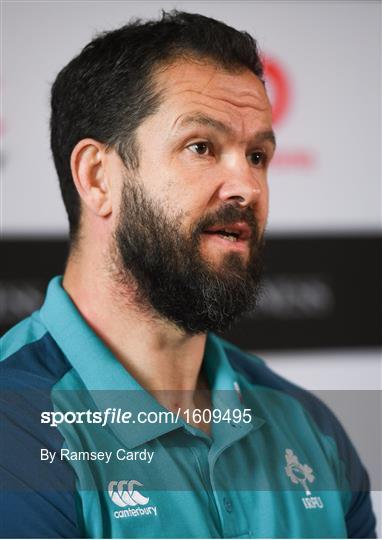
x: 123, y: 493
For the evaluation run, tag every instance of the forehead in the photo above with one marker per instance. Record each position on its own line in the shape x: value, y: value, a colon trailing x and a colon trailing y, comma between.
x: 235, y: 98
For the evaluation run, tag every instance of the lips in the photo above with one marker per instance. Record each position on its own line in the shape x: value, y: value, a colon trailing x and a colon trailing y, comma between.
x: 234, y: 231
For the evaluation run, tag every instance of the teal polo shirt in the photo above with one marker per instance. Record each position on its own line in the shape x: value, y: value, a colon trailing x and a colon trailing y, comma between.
x: 278, y: 464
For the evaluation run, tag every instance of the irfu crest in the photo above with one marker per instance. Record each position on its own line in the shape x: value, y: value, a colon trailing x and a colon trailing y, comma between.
x: 299, y: 474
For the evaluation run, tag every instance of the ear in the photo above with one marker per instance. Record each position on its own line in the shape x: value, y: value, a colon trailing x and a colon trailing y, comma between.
x: 88, y: 165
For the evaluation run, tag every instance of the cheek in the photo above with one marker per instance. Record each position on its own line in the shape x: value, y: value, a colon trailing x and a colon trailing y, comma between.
x: 117, y: 200
x: 266, y: 206
x: 263, y: 208
x: 189, y: 198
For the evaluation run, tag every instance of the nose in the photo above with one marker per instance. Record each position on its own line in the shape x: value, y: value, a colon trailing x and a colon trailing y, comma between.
x: 242, y: 186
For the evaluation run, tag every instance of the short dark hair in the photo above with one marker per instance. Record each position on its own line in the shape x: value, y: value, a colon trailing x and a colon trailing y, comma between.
x: 108, y: 89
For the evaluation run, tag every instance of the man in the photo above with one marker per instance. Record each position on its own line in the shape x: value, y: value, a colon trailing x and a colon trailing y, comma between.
x: 124, y: 414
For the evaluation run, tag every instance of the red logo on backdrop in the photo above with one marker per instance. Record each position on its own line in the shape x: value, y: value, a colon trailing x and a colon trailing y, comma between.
x: 278, y: 87
x: 280, y: 94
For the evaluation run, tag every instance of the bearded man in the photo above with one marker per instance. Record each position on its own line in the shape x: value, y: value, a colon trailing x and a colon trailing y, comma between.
x: 126, y: 415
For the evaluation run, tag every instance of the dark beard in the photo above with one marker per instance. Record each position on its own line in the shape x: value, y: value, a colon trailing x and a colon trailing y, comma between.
x: 169, y: 273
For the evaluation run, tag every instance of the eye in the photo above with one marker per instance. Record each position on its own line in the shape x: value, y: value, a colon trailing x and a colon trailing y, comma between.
x: 258, y: 158
x: 200, y: 148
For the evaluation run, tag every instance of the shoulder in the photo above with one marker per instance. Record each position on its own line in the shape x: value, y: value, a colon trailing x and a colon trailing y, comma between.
x: 31, y: 366
x: 257, y: 374
x: 30, y: 357
x: 25, y: 332
x: 261, y: 379
x: 43, y: 493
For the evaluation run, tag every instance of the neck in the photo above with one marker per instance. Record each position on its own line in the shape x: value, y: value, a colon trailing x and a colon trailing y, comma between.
x: 156, y: 353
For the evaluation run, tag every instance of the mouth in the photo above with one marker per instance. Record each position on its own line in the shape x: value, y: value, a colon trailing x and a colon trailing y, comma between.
x: 234, y: 232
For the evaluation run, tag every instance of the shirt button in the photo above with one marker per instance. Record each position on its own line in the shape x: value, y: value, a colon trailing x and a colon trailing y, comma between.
x: 227, y: 504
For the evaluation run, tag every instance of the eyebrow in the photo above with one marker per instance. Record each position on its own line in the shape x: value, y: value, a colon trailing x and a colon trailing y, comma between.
x: 200, y: 119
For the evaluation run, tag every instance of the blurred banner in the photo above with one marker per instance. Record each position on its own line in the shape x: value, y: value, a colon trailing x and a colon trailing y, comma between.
x: 319, y: 291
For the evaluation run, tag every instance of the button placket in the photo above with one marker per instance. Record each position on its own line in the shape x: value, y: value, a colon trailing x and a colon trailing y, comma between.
x: 199, y: 456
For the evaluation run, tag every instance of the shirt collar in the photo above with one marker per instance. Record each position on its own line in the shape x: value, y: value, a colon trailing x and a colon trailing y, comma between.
x: 227, y: 397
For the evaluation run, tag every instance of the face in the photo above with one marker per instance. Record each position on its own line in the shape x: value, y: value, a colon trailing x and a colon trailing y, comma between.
x: 191, y: 221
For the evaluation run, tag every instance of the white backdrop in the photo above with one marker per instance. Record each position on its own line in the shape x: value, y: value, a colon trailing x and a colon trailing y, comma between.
x: 327, y: 176
x: 329, y: 137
